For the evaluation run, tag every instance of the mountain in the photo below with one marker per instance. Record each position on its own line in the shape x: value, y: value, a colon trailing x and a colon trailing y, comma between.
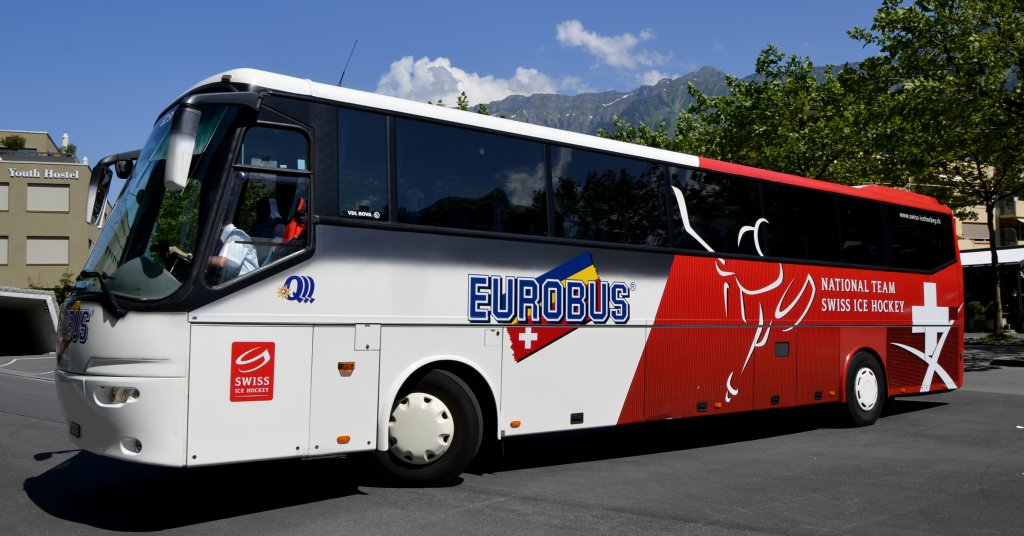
x: 587, y: 112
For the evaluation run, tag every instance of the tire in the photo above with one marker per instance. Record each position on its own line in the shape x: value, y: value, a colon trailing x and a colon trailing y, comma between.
x: 866, y: 391
x: 435, y: 431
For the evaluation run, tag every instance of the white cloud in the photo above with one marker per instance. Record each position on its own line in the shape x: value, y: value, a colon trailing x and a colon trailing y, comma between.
x: 615, y: 51
x: 427, y: 80
x: 654, y: 76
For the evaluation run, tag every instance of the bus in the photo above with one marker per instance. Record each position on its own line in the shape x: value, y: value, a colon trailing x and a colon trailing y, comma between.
x: 294, y: 269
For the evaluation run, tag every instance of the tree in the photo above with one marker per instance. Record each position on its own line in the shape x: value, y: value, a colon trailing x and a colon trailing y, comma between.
x: 69, y: 150
x: 956, y: 67
x: 641, y: 134
x: 790, y: 117
x: 793, y: 118
x: 13, y: 142
x: 462, y: 102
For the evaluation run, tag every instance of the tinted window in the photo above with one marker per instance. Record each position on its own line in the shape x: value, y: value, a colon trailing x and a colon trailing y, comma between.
x: 718, y: 208
x: 919, y: 240
x: 801, y: 223
x: 466, y: 179
x: 862, y: 236
x: 267, y: 223
x: 608, y: 198
x: 363, y: 165
x: 274, y: 148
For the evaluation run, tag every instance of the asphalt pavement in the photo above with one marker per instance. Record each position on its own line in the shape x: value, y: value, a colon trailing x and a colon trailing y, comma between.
x: 947, y: 463
x: 35, y: 366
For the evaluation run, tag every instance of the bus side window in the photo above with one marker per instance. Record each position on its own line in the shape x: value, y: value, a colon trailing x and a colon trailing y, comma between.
x: 801, y: 224
x: 719, y: 207
x: 465, y: 179
x: 608, y: 198
x: 268, y: 219
x: 919, y: 240
x: 267, y: 224
x: 275, y: 149
x: 363, y: 165
x: 862, y: 234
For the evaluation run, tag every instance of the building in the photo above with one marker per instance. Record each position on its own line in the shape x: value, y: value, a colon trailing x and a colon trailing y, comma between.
x: 43, y: 233
x: 1009, y: 220
x: 977, y: 262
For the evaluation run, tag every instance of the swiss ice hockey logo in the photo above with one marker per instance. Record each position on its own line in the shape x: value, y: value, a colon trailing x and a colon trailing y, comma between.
x: 252, y: 371
x: 933, y: 321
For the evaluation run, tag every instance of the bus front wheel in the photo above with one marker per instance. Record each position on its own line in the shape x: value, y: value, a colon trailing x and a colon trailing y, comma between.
x: 865, y: 390
x: 434, y: 432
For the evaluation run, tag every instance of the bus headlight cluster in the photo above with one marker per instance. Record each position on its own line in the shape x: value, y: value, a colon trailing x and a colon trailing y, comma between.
x: 110, y: 396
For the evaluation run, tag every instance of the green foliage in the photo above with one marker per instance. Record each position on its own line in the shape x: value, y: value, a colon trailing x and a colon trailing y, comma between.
x: 482, y: 109
x: 70, y: 150
x: 462, y: 102
x: 785, y: 119
x: 60, y: 290
x: 641, y: 134
x: 788, y: 120
x: 13, y: 142
x: 976, y: 309
x: 958, y: 65
x: 955, y: 67
x: 177, y: 222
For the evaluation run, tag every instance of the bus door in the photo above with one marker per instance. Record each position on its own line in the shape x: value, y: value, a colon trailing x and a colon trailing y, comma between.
x: 251, y: 359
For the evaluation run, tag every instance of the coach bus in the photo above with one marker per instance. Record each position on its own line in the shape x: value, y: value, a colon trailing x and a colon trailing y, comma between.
x: 293, y: 269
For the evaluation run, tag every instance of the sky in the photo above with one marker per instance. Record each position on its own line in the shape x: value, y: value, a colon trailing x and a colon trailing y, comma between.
x: 102, y: 71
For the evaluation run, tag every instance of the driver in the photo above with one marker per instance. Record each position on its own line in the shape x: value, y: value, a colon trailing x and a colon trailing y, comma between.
x: 237, y: 254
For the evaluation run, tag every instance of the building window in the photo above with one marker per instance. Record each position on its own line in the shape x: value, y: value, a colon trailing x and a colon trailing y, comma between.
x: 52, y: 250
x: 3, y: 250
x: 976, y: 231
x: 48, y: 198
x: 4, y: 196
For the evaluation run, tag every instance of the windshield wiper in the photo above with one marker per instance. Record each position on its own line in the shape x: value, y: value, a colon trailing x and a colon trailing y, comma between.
x: 108, y: 296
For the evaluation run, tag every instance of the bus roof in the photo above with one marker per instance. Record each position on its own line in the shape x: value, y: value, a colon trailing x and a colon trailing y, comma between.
x: 306, y: 87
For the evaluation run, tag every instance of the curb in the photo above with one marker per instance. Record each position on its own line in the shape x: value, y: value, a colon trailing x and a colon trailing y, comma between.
x: 1004, y: 362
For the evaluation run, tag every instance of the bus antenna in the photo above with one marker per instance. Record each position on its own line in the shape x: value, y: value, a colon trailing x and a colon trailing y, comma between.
x: 346, y: 62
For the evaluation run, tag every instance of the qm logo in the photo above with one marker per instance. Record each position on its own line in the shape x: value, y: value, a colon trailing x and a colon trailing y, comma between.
x: 298, y: 288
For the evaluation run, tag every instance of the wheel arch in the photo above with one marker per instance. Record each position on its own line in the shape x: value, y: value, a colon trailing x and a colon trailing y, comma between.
x: 845, y: 372
x: 484, y: 389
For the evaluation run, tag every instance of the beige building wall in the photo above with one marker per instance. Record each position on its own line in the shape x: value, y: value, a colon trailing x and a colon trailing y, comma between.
x: 1009, y: 217
x: 43, y: 233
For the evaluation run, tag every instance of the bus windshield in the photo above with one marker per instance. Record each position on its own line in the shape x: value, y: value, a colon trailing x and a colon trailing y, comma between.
x: 144, y: 251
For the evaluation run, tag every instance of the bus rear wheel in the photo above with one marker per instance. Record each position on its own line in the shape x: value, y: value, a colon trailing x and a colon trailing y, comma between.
x: 434, y: 432
x: 865, y: 390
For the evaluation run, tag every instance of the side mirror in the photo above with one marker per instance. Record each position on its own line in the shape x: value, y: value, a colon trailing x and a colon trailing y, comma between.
x: 123, y: 168
x: 99, y: 183
x: 180, y: 145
